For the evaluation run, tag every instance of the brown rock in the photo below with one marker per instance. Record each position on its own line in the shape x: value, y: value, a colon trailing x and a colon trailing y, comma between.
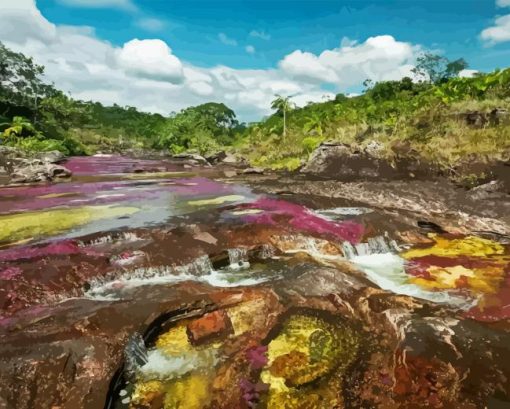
x: 212, y: 325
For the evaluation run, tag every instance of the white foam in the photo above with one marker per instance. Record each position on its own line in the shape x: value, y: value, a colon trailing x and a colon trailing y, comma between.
x: 387, y: 271
x: 199, y: 271
x: 338, y: 212
x: 164, y: 366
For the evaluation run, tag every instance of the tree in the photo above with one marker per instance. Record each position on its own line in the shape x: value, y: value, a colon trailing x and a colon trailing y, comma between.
x: 20, y: 81
x: 282, y: 105
x: 437, y: 69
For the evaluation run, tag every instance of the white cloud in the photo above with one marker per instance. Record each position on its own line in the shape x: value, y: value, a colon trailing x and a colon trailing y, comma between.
x: 498, y: 33
x: 150, y: 24
x: 226, y: 40
x: 150, y: 59
x: 468, y: 73
x: 307, y: 66
x: 201, y: 88
x: 121, y: 4
x: 378, y: 58
x: 311, y: 97
x: 148, y: 75
x: 503, y: 3
x: 260, y: 34
x: 250, y: 49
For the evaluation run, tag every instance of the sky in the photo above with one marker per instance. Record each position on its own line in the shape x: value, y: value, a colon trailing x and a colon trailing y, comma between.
x: 164, y: 55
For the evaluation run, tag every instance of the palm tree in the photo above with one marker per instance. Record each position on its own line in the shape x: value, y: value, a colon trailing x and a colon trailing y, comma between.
x: 283, y: 105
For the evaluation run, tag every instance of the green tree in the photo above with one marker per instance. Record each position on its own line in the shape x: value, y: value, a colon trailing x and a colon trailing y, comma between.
x: 21, y: 82
x: 436, y: 68
x: 282, y: 105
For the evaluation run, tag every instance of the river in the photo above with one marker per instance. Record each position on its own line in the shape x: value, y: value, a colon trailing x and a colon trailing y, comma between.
x: 146, y: 283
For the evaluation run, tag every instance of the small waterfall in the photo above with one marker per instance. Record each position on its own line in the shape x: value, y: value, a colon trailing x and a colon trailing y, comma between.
x: 108, y: 239
x: 267, y: 251
x: 238, y: 258
x: 135, y: 354
x: 374, y: 245
x: 349, y: 250
x: 198, y: 267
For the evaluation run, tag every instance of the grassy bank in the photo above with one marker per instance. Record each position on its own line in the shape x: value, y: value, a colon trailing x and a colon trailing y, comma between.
x: 449, y: 124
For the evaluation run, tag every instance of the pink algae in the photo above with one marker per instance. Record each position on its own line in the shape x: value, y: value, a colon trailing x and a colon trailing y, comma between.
x: 10, y: 273
x: 301, y: 218
x: 64, y: 247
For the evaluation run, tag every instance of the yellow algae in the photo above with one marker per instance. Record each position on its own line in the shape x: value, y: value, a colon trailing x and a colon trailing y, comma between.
x: 216, y: 201
x: 306, y: 350
x: 21, y: 226
x: 247, y: 316
x: 55, y: 195
x: 16, y: 243
x: 481, y: 280
x: 145, y: 392
x: 293, y: 338
x: 468, y: 246
x: 190, y: 392
x: 247, y: 211
x: 174, y: 341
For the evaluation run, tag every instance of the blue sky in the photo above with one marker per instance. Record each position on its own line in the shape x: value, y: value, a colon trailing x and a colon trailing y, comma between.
x: 165, y: 55
x: 192, y: 26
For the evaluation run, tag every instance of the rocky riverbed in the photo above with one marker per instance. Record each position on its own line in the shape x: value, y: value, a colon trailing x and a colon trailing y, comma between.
x: 170, y: 284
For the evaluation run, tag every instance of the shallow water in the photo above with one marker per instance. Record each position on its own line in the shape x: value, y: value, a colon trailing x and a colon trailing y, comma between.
x: 141, y: 233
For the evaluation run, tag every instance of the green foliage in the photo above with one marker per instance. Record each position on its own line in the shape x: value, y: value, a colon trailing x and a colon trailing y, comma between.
x: 436, y: 68
x: 19, y: 127
x: 423, y: 115
x: 33, y: 144
x: 203, y: 128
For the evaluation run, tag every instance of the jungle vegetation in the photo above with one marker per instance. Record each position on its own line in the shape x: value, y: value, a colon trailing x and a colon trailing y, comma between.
x: 424, y: 118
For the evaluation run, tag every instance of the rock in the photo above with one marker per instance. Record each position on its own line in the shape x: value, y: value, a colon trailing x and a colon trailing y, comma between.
x: 217, y: 157
x: 343, y: 162
x: 230, y: 159
x: 193, y: 158
x: 205, y: 237
x: 487, y: 190
x: 253, y: 171
x: 210, y: 326
x: 52, y: 157
x: 374, y: 149
x: 37, y: 172
x: 338, y: 160
x: 230, y: 173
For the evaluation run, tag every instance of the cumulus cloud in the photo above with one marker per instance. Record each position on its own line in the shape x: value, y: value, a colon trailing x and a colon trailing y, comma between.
x: 148, y: 75
x: 121, y: 4
x: 260, y: 34
x: 151, y: 59
x: 378, y: 58
x: 226, y: 40
x: 499, y: 32
x: 308, y: 67
x: 250, y: 49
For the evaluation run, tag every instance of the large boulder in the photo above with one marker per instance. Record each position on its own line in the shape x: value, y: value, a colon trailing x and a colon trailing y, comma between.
x: 340, y: 161
x: 37, y: 171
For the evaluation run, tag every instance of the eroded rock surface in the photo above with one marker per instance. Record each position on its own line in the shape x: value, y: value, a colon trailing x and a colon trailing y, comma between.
x: 165, y: 289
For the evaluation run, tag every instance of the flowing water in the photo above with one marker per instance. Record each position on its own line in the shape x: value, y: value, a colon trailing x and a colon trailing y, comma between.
x: 125, y: 239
